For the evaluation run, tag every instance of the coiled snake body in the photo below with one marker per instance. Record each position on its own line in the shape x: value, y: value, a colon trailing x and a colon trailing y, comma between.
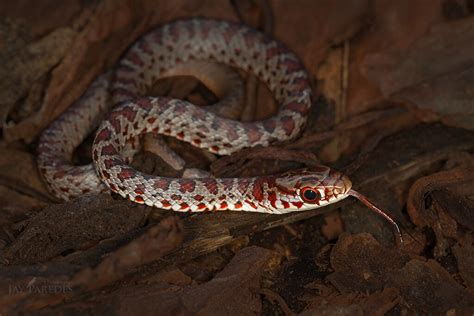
x: 134, y: 114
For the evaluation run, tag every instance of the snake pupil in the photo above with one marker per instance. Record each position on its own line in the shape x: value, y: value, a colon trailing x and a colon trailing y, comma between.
x: 310, y: 195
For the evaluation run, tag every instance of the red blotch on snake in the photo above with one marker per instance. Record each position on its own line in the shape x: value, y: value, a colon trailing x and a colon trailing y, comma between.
x: 257, y: 191
x: 109, y: 163
x: 253, y: 134
x: 108, y: 150
x: 161, y: 184
x: 269, y: 125
x: 125, y: 174
x: 144, y: 103
x: 288, y: 124
x: 297, y: 107
x: 272, y: 197
x: 125, y: 111
x: 59, y: 174
x: 187, y: 186
x: 103, y: 135
x: 211, y: 185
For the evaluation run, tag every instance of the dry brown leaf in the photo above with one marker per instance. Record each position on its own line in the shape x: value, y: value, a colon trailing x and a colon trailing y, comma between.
x: 395, y: 26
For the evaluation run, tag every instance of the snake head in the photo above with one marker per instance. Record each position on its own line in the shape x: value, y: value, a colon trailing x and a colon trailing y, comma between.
x: 311, y: 188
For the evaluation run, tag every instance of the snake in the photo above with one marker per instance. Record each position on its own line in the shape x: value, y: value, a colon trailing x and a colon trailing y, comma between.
x: 121, y: 97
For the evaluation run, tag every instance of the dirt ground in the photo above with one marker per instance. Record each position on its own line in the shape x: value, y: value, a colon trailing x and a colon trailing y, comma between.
x: 393, y: 109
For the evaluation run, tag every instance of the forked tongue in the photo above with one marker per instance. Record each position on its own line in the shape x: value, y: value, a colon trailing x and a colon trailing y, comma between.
x: 366, y: 201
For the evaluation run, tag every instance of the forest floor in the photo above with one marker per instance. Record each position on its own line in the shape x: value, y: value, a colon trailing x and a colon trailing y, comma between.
x: 393, y: 84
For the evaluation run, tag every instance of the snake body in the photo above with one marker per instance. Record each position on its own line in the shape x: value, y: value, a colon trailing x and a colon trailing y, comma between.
x: 148, y: 59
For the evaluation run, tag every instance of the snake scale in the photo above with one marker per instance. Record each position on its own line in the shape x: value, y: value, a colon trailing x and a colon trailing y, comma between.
x: 134, y: 114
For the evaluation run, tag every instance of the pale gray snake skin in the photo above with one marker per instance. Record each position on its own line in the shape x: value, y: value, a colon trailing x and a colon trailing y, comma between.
x: 148, y: 59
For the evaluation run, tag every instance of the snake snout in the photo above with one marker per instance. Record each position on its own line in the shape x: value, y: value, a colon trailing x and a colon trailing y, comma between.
x: 342, y: 185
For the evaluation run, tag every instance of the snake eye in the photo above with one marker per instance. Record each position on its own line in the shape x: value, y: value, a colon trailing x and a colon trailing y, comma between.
x: 309, y: 195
